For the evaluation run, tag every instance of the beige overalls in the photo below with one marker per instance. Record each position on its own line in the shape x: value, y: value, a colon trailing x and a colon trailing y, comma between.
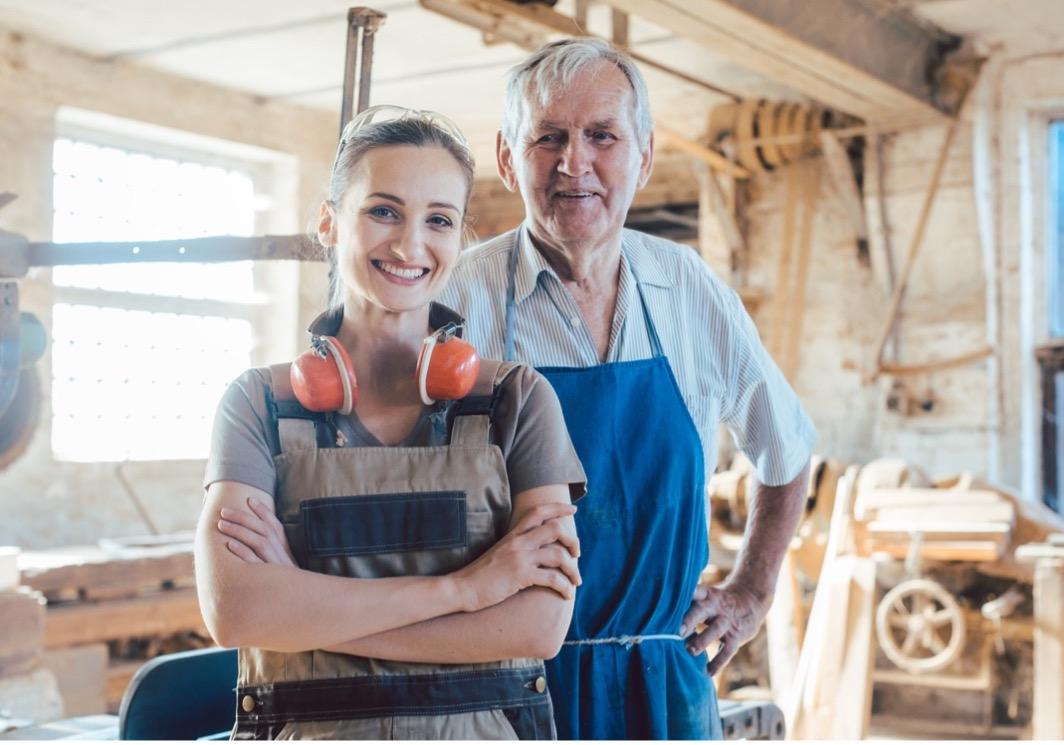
x: 387, y: 512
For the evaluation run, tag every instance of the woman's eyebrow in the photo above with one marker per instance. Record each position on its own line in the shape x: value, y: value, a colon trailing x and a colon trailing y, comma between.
x: 384, y: 195
x: 444, y: 205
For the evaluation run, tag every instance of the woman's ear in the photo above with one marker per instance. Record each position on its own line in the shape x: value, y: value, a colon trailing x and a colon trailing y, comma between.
x: 326, y: 225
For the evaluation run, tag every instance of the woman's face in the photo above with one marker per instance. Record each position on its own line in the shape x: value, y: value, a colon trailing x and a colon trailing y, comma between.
x: 398, y: 228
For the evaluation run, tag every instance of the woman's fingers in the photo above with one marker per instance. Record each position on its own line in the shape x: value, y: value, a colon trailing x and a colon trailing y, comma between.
x: 540, y: 514
x: 249, y: 538
x: 554, y: 580
x: 555, y: 557
x: 242, y: 552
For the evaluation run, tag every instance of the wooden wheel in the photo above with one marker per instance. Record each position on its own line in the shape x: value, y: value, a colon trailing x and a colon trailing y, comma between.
x: 919, y: 626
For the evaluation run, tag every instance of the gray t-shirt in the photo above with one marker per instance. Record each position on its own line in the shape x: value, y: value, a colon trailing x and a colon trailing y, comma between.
x: 528, y: 427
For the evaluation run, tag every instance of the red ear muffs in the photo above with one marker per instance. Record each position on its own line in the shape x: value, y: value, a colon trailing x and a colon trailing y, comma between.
x: 323, y: 377
x: 447, y: 367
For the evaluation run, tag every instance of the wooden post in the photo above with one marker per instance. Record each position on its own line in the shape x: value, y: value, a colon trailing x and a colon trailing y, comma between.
x: 1048, y: 717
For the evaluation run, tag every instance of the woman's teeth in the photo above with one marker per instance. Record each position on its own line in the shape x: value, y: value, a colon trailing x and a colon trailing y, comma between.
x: 401, y: 272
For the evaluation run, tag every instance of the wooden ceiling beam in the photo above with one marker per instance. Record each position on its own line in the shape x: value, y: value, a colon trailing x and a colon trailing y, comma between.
x: 845, y: 54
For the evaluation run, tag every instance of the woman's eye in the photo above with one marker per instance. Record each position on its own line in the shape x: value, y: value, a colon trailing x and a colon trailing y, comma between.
x: 441, y: 221
x: 382, y: 212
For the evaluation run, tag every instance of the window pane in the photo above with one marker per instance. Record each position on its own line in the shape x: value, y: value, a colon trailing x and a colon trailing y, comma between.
x: 1055, y: 254
x: 135, y: 384
x: 107, y: 194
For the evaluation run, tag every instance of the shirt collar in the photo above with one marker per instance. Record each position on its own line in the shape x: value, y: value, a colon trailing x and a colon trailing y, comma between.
x: 531, y: 263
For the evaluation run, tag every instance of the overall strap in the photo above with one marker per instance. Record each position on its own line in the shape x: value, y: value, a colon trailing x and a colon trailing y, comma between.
x: 469, y: 419
x: 296, y: 426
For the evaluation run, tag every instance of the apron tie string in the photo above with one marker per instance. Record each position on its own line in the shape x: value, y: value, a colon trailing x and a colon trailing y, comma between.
x: 625, y: 641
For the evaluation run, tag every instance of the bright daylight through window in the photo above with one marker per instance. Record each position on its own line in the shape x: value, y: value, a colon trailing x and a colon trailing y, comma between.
x: 142, y: 352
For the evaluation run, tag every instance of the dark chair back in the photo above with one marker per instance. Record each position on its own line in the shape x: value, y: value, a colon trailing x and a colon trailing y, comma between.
x: 182, y: 696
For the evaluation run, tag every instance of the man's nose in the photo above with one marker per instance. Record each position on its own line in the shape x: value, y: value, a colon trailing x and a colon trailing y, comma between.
x: 576, y: 157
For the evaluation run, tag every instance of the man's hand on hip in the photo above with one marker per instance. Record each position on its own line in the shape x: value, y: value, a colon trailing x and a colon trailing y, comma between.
x: 732, y: 614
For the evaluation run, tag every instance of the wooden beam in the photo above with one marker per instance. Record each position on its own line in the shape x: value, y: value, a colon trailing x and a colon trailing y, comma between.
x: 1048, y: 714
x: 841, y: 172
x: 866, y: 61
x: 160, y: 614
x: 697, y: 149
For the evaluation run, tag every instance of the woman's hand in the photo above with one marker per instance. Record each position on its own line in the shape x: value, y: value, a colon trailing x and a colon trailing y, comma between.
x: 255, y: 535
x: 538, y: 551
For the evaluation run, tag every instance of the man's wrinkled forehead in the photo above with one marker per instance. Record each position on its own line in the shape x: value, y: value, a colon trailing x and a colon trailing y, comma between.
x: 597, y: 98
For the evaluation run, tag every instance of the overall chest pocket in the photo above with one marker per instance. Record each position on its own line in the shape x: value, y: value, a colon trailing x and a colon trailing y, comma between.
x: 384, y: 523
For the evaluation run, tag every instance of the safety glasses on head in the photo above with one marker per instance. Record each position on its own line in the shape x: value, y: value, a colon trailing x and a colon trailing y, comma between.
x: 392, y: 113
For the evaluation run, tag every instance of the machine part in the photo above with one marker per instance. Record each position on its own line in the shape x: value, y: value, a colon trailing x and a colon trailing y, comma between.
x: 33, y: 339
x: 362, y: 25
x: 999, y: 608
x: 751, y: 720
x: 19, y: 420
x: 914, y: 612
x: 10, y: 345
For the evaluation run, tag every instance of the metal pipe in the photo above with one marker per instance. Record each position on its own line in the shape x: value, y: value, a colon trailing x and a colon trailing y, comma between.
x: 362, y: 25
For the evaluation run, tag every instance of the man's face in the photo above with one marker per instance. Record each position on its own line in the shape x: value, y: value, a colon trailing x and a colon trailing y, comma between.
x: 577, y: 161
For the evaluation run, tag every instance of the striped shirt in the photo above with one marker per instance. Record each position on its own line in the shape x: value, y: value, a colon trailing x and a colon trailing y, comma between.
x: 723, y: 371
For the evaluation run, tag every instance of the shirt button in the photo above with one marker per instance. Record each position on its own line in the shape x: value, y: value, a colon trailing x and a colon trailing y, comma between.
x: 247, y: 704
x: 574, y: 321
x: 541, y: 684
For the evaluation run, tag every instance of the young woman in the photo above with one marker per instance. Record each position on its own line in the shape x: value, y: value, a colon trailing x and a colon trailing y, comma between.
x: 399, y: 567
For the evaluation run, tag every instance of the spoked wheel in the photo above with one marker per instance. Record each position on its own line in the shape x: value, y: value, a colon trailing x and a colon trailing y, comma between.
x: 920, y: 627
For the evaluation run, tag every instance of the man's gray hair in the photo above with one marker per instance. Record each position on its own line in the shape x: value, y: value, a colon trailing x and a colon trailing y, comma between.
x: 552, y: 68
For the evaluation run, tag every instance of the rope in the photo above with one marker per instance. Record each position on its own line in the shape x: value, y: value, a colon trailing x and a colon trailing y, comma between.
x: 625, y: 641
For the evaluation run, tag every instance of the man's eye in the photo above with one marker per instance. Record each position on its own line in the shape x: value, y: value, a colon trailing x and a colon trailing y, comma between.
x: 549, y: 139
x: 603, y: 136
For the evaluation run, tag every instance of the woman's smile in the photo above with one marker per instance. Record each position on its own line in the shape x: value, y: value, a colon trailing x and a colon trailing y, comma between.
x: 400, y: 273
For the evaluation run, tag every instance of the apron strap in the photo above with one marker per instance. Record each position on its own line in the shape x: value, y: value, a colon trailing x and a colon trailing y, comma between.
x: 296, y: 426
x: 470, y: 418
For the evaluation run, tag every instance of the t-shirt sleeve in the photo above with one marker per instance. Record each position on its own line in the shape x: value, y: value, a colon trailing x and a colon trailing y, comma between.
x: 761, y: 409
x: 533, y: 436
x: 240, y: 450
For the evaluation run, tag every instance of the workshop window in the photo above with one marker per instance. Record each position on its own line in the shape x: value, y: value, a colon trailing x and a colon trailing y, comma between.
x: 141, y: 353
x: 1051, y: 355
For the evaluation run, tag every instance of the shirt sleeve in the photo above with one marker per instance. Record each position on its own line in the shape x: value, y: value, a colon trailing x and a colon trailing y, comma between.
x: 240, y: 450
x: 761, y: 409
x: 534, y: 439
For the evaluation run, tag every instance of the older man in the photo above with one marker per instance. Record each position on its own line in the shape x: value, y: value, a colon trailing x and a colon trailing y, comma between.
x: 648, y: 352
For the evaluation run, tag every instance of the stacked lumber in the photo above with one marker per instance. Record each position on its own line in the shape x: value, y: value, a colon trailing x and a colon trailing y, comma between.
x: 28, y: 690
x: 109, y: 608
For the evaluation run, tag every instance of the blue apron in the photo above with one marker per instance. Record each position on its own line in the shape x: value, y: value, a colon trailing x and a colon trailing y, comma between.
x: 623, y: 673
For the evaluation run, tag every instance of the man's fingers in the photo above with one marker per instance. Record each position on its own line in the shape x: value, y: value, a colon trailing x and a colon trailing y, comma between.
x: 700, y: 610
x: 242, y: 552
x: 715, y: 630
x: 723, y: 656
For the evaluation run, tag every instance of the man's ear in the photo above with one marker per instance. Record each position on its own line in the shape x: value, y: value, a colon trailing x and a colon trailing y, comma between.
x: 646, y: 163
x: 504, y: 159
x: 326, y: 225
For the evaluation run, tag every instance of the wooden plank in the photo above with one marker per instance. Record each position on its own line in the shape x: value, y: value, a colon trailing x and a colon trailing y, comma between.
x: 33, y: 696
x: 852, y: 699
x: 163, y: 613
x: 89, y: 570
x: 712, y: 204
x: 942, y: 550
x: 873, y: 499
x: 1048, y: 715
x: 118, y: 676
x: 9, y: 575
x: 999, y: 512
x: 734, y: 30
x: 947, y: 530
x: 784, y: 629
x: 81, y: 673
x: 22, y: 622
x: 810, y: 185
x: 700, y: 151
